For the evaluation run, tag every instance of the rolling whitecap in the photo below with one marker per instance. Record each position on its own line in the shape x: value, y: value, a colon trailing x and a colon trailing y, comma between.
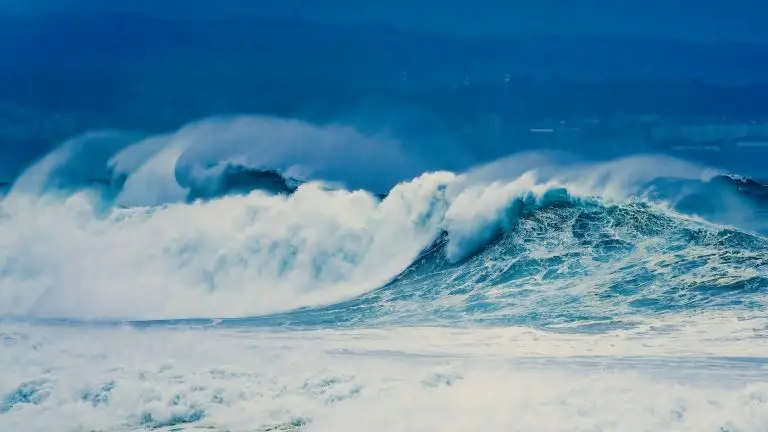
x: 184, y: 232
x: 261, y: 274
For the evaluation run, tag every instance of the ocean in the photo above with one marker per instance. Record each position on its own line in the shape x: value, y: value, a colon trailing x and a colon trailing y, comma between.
x: 266, y: 274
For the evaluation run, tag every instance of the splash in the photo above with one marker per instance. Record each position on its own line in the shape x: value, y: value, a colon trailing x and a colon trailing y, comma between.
x: 236, y: 218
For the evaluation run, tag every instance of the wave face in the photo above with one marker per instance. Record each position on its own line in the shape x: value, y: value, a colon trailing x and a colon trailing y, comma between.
x: 284, y: 222
x: 280, y: 275
x: 567, y: 263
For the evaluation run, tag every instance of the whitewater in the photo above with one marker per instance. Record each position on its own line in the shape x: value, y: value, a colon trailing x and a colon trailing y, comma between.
x: 262, y: 274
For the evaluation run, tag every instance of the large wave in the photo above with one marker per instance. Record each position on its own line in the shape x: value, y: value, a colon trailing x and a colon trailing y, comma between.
x: 254, y: 216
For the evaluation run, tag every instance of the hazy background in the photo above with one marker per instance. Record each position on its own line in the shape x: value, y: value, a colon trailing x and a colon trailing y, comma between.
x: 491, y: 77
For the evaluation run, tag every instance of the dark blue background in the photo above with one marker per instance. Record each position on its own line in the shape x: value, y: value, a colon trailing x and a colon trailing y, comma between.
x: 424, y: 70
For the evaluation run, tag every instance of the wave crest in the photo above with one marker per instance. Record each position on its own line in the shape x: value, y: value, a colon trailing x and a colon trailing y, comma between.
x: 187, y: 229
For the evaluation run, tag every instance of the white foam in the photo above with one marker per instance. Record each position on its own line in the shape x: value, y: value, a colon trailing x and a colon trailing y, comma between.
x: 478, y: 212
x: 256, y: 254
x: 234, y: 256
x: 672, y: 375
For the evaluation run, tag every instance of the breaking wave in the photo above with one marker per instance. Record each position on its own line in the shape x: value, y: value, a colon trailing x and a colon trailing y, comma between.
x: 305, y: 224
